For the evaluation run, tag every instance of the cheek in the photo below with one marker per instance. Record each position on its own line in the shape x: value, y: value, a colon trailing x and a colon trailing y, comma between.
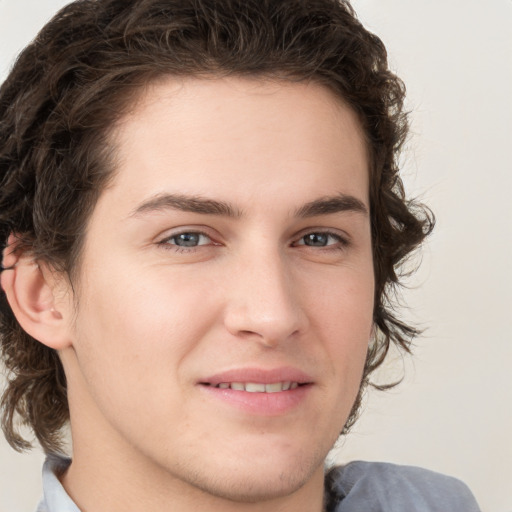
x: 134, y: 331
x: 344, y: 302
x: 130, y: 345
x: 343, y: 317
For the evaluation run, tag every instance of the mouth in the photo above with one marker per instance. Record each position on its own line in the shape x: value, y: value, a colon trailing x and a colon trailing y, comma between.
x: 258, y: 387
x: 258, y: 391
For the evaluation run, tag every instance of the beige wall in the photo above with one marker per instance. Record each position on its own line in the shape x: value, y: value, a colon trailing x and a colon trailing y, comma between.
x: 453, y: 413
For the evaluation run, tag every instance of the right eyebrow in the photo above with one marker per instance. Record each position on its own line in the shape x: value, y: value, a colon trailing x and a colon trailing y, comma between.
x: 332, y: 204
x: 184, y: 203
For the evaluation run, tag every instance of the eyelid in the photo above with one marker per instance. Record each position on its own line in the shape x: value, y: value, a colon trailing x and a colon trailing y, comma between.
x: 342, y: 237
x: 164, y: 240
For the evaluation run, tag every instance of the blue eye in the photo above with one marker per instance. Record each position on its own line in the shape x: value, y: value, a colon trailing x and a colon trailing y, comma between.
x: 316, y: 239
x: 320, y: 239
x: 188, y: 239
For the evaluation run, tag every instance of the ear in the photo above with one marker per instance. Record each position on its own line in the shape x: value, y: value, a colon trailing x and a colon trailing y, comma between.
x: 39, y: 297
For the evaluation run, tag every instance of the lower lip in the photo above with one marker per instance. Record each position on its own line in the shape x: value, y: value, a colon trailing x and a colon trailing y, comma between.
x: 262, y: 404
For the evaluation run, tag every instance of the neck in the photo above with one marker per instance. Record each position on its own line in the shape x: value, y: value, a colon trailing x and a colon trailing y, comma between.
x: 107, y: 481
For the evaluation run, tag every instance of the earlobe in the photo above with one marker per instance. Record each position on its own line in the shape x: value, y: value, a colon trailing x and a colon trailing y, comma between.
x: 31, y: 291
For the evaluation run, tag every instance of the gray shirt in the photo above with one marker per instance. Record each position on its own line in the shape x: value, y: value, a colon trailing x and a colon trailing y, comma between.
x: 356, y: 487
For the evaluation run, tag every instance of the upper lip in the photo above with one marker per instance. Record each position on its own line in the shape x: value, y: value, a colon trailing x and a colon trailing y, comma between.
x: 259, y: 375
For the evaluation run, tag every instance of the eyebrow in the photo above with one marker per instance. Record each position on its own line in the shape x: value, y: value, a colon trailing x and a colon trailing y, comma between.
x: 196, y: 204
x: 332, y: 204
x: 184, y: 203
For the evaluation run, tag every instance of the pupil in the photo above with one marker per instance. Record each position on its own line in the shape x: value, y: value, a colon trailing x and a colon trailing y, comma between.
x: 187, y: 239
x: 316, y: 239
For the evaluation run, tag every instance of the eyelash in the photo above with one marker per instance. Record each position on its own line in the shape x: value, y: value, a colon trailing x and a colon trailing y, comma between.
x: 341, y: 243
x: 165, y: 243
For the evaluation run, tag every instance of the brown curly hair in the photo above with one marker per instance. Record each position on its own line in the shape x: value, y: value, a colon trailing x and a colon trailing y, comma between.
x: 78, y: 77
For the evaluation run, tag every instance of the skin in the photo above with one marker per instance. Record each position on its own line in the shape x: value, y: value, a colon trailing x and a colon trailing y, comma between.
x: 151, y: 320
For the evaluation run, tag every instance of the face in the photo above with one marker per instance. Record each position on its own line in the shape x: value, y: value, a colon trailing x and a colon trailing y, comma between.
x: 225, y: 293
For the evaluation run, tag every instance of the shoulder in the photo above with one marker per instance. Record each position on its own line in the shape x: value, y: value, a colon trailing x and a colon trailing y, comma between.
x: 379, y: 487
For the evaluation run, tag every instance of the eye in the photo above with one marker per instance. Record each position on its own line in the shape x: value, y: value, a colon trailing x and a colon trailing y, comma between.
x: 188, y: 239
x: 321, y: 239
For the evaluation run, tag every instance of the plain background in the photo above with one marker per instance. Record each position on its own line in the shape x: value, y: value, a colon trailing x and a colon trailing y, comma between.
x: 453, y: 411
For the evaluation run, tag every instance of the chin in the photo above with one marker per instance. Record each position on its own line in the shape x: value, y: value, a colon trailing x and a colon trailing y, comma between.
x: 248, y: 479
x: 255, y: 487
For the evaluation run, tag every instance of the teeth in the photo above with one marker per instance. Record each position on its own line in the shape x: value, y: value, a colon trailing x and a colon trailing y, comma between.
x: 251, y: 387
x: 273, y: 388
x: 254, y: 387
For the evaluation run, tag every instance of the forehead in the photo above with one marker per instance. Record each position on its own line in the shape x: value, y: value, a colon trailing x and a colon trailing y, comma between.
x: 235, y: 137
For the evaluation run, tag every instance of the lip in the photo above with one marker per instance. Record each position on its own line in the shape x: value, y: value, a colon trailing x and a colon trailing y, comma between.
x: 260, y: 404
x: 260, y: 375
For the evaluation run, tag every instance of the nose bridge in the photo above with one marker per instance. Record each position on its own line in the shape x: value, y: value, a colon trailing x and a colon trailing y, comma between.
x: 263, y: 297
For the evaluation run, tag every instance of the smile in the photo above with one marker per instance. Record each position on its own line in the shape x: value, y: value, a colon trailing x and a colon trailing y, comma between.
x: 260, y: 391
x: 254, y: 387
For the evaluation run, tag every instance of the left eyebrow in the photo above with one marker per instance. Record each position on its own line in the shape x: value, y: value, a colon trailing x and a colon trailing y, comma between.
x: 193, y: 204
x: 332, y: 204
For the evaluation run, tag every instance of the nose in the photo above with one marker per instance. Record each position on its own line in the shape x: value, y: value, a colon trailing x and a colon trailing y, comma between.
x: 263, y: 300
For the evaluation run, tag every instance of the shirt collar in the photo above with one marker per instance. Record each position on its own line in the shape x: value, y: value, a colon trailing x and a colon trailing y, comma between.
x: 55, y: 498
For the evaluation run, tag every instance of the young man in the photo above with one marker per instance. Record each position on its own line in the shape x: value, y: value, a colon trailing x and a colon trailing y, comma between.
x: 202, y: 220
